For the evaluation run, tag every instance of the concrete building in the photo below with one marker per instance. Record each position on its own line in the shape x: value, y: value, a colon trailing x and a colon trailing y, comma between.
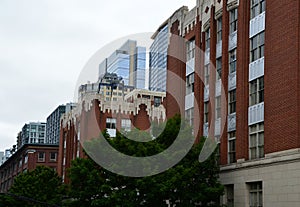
x: 95, y: 113
x: 128, y: 62
x: 158, y: 58
x: 33, y: 133
x: 252, y: 49
x: 27, y: 158
x: 53, y: 123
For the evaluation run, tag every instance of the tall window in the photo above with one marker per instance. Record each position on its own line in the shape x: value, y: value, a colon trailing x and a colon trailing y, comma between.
x: 233, y: 20
x: 207, y: 38
x: 53, y: 156
x: 219, y: 68
x: 232, y: 101
x: 41, y: 156
x: 257, y: 46
x: 111, y: 123
x: 126, y: 124
x: 190, y: 84
x: 218, y: 107
x: 206, y: 74
x: 219, y: 29
x: 190, y: 50
x: 232, y: 61
x: 206, y: 111
x: 230, y: 195
x: 255, y: 194
x: 189, y: 116
x: 257, y: 91
x: 231, y: 147
x: 257, y: 7
x: 256, y: 142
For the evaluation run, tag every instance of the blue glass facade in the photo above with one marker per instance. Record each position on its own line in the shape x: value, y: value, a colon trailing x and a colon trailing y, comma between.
x: 129, y: 62
x: 158, y: 61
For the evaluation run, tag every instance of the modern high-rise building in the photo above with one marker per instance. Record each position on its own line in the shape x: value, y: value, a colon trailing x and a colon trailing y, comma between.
x: 128, y: 62
x: 158, y: 58
x: 240, y: 61
x: 34, y: 133
x: 53, y: 123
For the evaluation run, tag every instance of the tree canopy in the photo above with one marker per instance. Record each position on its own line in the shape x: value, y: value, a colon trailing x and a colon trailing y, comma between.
x: 189, y: 183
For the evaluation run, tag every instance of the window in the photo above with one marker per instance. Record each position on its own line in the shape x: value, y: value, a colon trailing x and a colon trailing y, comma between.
x: 255, y: 194
x: 257, y: 7
x: 41, y: 157
x: 231, y: 147
x: 126, y: 124
x: 218, y: 107
x: 232, y: 101
x: 219, y: 29
x: 230, y: 195
x: 233, y: 16
x: 157, y: 101
x: 206, y: 74
x: 26, y: 159
x: 257, y: 46
x: 190, y: 50
x: 232, y: 61
x: 219, y: 68
x: 256, y: 142
x: 190, y: 84
x: 206, y: 111
x: 257, y: 91
x: 189, y: 116
x: 207, y: 39
x: 53, y: 156
x: 111, y: 123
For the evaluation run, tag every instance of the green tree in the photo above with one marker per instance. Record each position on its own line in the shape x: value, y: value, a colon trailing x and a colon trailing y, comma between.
x: 189, y: 183
x: 39, y: 187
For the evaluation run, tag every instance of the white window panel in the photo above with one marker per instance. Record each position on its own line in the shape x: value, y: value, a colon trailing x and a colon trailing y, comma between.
x: 190, y: 66
x: 256, y: 114
x: 218, y: 88
x: 112, y: 132
x: 219, y: 49
x: 207, y: 56
x: 205, y: 129
x: 189, y: 101
x: 231, y: 125
x: 232, y: 81
x: 256, y: 69
x: 206, y: 93
x: 217, y: 127
x: 232, y: 41
x: 257, y: 24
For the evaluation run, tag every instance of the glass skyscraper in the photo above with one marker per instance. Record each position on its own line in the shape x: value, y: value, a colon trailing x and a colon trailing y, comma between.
x: 129, y: 62
x: 158, y: 59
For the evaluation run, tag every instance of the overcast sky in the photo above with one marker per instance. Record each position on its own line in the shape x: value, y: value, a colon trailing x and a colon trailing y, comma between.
x: 44, y: 44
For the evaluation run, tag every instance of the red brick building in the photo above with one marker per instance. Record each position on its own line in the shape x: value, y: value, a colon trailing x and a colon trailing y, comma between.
x: 27, y: 158
x: 252, y: 49
x: 95, y: 113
